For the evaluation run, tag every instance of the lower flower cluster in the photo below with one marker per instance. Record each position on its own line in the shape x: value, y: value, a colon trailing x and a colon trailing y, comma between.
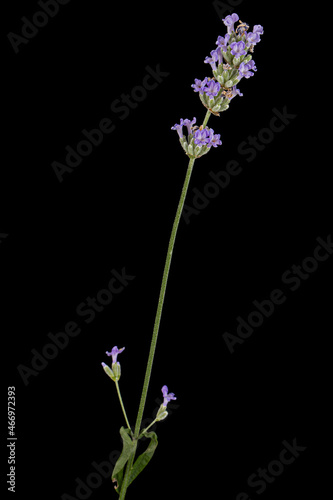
x: 199, y: 140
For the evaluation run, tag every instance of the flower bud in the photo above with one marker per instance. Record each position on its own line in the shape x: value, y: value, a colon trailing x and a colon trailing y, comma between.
x: 161, y: 414
x: 108, y: 371
x: 116, y: 370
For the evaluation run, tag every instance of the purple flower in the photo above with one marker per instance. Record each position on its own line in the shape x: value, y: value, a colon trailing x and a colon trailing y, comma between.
x: 114, y: 353
x: 167, y: 397
x: 212, y: 89
x: 229, y: 21
x: 179, y: 128
x: 244, y: 70
x: 188, y: 123
x: 201, y: 137
x: 219, y: 55
x: 258, y: 29
x: 252, y: 65
x: 199, y: 85
x: 215, y: 139
x: 213, y: 59
x: 238, y: 49
x: 235, y: 91
x: 223, y: 42
x: 252, y: 38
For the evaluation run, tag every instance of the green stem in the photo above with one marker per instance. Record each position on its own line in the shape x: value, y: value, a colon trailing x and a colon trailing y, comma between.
x: 145, y: 430
x: 206, y: 118
x: 163, y: 288
x: 127, y: 472
x: 122, y: 405
x: 158, y: 316
x: 161, y: 298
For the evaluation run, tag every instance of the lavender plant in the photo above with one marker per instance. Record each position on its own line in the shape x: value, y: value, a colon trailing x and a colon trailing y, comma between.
x: 230, y: 62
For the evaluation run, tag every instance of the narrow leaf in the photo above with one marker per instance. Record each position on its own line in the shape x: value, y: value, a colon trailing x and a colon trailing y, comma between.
x: 145, y: 457
x: 128, y: 450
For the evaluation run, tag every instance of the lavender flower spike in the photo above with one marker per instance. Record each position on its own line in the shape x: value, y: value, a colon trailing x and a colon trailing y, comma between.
x: 229, y: 21
x: 114, y: 353
x: 167, y: 397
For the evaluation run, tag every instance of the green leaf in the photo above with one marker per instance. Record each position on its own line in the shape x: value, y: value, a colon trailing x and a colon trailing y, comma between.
x: 145, y: 457
x: 127, y: 452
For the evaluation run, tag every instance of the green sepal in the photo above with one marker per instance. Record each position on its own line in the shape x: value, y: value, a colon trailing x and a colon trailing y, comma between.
x: 145, y: 457
x: 247, y: 59
x: 197, y: 150
x: 116, y: 370
x: 184, y: 144
x: 127, y: 452
x: 233, y: 74
x: 218, y: 101
x: 226, y: 76
x: 236, y: 60
x: 219, y: 71
x: 109, y: 372
x: 227, y: 56
x: 220, y: 79
x: 204, y: 151
x: 225, y: 105
x: 203, y: 99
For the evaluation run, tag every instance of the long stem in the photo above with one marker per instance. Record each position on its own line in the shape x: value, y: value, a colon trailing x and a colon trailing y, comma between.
x: 158, y: 317
x: 161, y: 297
x: 162, y: 291
x: 122, y: 405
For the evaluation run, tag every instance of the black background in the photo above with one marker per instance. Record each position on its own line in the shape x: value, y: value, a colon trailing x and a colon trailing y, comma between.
x: 115, y: 210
